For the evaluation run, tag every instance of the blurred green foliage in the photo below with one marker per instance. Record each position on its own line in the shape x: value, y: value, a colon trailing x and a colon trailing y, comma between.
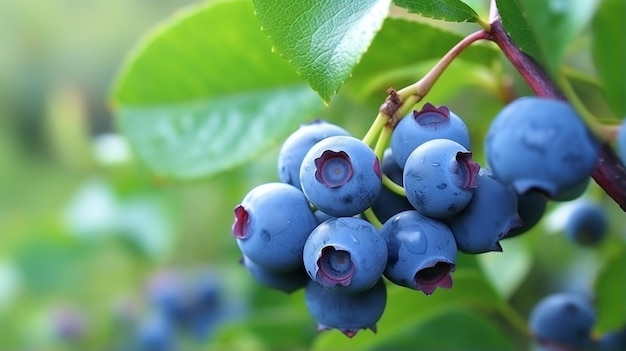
x: 84, y: 223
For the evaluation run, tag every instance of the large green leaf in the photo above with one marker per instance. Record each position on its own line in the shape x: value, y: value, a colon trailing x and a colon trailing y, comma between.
x: 545, y: 29
x: 323, y: 40
x: 610, y: 290
x: 448, y: 10
x: 406, y: 307
x: 203, y: 92
x: 609, y: 51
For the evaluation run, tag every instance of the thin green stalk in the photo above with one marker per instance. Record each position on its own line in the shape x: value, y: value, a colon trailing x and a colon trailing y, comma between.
x: 375, y: 129
x: 372, y: 218
x: 391, y: 185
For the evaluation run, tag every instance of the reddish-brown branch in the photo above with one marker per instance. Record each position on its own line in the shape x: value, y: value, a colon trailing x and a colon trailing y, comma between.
x: 610, y: 173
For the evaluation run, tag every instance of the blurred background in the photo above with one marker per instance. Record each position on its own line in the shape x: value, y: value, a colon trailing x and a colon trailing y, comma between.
x: 92, y: 243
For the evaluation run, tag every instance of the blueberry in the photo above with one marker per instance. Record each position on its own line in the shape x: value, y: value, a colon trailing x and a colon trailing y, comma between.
x: 347, y: 312
x: 69, y: 323
x: 563, y: 320
x: 298, y: 144
x: 422, y: 252
x: 389, y: 203
x: 341, y: 176
x: 166, y: 291
x: 271, y: 225
x: 539, y: 143
x: 531, y: 207
x: 429, y: 123
x: 614, y: 341
x: 345, y: 254
x: 155, y: 333
x: 587, y: 224
x: 283, y: 281
x: 489, y: 217
x: 440, y: 177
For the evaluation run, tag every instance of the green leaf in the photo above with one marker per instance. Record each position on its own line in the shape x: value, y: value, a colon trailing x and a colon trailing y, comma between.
x: 609, y: 51
x: 323, y: 40
x: 610, y: 290
x: 447, y: 10
x: 545, y: 29
x: 406, y: 307
x: 203, y: 92
x: 506, y: 270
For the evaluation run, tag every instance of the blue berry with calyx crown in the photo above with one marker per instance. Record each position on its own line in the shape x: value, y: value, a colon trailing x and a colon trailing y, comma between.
x: 542, y: 144
x: 426, y: 124
x: 421, y: 250
x: 271, y: 225
x: 284, y: 281
x: 588, y: 224
x: 341, y: 176
x: 348, y: 313
x: 488, y: 218
x: 563, y: 320
x: 345, y: 254
x: 440, y: 178
x: 298, y: 144
x: 388, y: 203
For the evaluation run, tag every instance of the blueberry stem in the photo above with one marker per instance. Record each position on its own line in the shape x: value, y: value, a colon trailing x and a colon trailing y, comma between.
x: 514, y: 318
x: 372, y: 218
x: 391, y: 185
x: 383, y: 141
x: 375, y: 129
x: 420, y: 88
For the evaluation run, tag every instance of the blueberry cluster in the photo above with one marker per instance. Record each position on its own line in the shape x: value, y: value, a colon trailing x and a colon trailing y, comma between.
x: 346, y: 214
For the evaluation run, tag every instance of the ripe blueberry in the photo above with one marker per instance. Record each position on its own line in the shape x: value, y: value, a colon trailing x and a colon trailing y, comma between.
x: 539, y: 143
x: 283, y: 281
x: 298, y: 144
x: 429, y: 123
x: 587, y: 224
x: 422, y: 252
x: 345, y: 254
x: 440, y: 177
x: 340, y: 175
x: 563, y: 320
x: 489, y: 217
x: 347, y: 312
x: 271, y: 225
x: 389, y: 203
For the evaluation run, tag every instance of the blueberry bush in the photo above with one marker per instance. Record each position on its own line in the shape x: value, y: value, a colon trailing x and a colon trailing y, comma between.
x: 350, y: 175
x: 346, y: 88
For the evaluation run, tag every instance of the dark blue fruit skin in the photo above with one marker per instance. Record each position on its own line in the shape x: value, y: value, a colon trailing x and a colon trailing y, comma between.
x: 587, y: 224
x: 563, y: 319
x: 436, y: 183
x: 427, y: 124
x: 358, y: 193
x: 490, y: 215
x: 573, y: 192
x: 298, y: 144
x: 415, y: 242
x: 278, y: 222
x: 347, y: 312
x: 540, y: 143
x: 614, y: 341
x: 531, y: 207
x: 367, y: 249
x: 389, y: 203
x: 284, y: 281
